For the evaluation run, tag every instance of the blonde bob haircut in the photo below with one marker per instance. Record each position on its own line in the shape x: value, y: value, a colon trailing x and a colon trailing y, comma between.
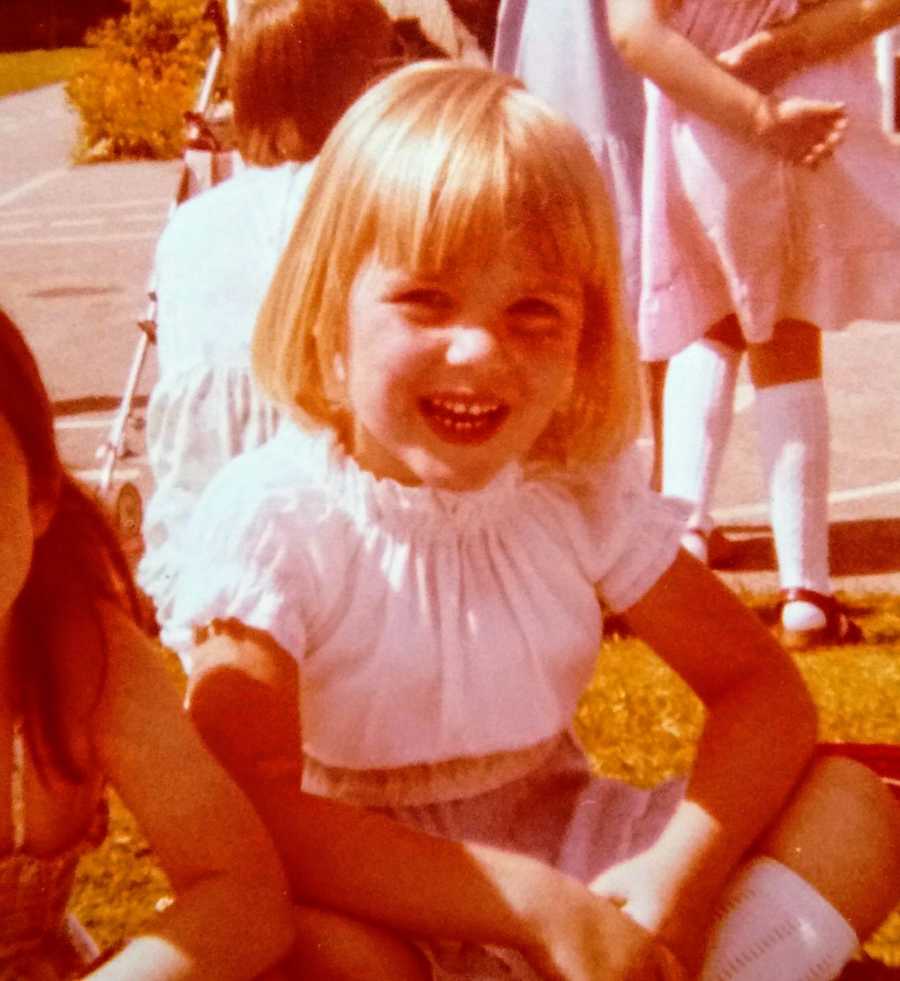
x: 294, y: 66
x: 439, y: 164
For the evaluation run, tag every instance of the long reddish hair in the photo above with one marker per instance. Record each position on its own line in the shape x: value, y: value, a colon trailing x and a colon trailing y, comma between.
x: 77, y: 563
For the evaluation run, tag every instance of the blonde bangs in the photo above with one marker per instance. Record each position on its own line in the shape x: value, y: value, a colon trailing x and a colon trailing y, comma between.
x: 457, y: 185
x: 442, y: 165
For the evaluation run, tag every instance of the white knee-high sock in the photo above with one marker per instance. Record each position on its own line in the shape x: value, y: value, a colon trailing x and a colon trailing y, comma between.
x: 698, y: 408
x: 793, y: 435
x: 774, y: 926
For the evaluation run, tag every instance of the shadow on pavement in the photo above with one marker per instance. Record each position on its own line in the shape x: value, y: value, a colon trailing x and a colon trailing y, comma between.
x: 94, y: 403
x: 867, y: 546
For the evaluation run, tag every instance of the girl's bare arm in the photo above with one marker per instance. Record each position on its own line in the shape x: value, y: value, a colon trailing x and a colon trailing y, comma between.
x: 232, y: 915
x: 821, y: 31
x: 243, y: 699
x: 759, y: 732
x: 798, y: 130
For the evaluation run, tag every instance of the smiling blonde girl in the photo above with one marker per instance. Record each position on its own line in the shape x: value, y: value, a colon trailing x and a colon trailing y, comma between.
x: 404, y: 583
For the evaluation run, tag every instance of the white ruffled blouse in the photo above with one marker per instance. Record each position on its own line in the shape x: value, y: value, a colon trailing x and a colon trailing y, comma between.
x: 430, y: 625
x: 213, y: 266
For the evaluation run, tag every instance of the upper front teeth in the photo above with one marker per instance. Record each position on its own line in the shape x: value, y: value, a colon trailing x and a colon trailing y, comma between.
x: 466, y: 408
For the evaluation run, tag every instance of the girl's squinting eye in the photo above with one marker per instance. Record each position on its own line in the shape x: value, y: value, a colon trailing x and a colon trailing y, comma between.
x: 423, y: 302
x: 535, y: 315
x: 533, y: 306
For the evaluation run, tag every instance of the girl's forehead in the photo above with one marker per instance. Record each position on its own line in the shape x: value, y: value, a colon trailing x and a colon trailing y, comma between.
x: 512, y: 272
x: 529, y: 256
x: 438, y: 223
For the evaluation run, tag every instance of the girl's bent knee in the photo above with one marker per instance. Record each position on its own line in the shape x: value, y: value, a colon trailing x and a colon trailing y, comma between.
x: 332, y: 947
x: 841, y: 832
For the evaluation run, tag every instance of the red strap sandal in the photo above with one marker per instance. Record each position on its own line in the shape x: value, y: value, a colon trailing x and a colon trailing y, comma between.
x: 838, y: 627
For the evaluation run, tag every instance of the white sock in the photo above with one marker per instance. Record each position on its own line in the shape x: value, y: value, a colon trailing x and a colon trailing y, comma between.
x: 793, y: 435
x: 698, y: 407
x: 774, y: 926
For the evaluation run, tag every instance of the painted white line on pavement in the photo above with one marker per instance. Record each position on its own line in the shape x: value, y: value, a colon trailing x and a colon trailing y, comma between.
x: 31, y: 185
x: 74, y: 422
x: 17, y: 227
x: 90, y: 206
x: 95, y: 476
x: 77, y: 222
x: 84, y: 239
x: 741, y: 511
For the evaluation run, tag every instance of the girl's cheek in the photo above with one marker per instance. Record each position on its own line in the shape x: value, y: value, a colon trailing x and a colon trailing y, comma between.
x: 16, y: 546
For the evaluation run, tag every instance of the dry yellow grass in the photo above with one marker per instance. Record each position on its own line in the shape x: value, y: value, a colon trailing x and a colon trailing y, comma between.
x: 638, y: 721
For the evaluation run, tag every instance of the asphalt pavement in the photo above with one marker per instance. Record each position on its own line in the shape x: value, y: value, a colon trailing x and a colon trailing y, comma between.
x: 76, y: 246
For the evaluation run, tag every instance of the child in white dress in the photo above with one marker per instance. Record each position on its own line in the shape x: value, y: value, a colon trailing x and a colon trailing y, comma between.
x: 770, y: 211
x: 293, y: 68
x: 414, y: 562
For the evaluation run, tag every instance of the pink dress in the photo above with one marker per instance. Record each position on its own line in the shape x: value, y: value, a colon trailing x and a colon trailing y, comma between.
x: 727, y: 227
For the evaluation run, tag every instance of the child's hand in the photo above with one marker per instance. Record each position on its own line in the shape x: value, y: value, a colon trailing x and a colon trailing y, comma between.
x: 589, y: 938
x: 758, y: 62
x: 801, y: 131
x: 644, y: 893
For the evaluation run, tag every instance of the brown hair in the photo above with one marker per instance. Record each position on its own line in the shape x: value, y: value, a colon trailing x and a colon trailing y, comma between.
x: 441, y: 163
x: 76, y: 563
x: 295, y: 66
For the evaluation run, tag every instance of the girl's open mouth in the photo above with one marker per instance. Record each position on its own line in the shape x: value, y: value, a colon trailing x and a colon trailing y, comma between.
x: 462, y: 418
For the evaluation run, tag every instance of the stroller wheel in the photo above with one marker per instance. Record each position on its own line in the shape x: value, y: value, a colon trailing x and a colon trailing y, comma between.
x: 128, y: 511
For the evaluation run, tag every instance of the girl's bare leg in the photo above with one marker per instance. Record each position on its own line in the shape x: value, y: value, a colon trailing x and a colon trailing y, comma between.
x: 698, y: 406
x: 655, y: 384
x: 330, y: 947
x: 792, y: 415
x: 841, y: 833
x: 827, y: 875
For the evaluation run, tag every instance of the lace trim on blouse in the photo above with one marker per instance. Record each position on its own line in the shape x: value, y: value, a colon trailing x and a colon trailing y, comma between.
x: 35, y: 889
x: 426, y: 783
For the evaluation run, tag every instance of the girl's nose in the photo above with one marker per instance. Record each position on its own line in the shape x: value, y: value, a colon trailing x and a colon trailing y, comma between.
x: 470, y: 344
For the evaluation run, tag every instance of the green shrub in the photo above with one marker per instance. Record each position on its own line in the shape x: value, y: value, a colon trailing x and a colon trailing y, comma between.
x: 147, y: 67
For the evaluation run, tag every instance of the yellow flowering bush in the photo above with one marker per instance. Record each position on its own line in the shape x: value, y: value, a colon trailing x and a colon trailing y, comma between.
x: 134, y: 92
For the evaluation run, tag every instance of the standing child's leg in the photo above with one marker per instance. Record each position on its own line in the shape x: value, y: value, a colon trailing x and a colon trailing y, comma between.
x: 792, y: 416
x: 698, y: 411
x: 655, y: 385
x: 829, y: 874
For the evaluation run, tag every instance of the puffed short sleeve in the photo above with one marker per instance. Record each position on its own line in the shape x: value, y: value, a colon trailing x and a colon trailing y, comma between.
x: 633, y: 532
x: 243, y: 562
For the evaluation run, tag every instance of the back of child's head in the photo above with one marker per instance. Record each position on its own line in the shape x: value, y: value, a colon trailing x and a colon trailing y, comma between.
x: 76, y: 562
x: 440, y: 164
x: 295, y: 66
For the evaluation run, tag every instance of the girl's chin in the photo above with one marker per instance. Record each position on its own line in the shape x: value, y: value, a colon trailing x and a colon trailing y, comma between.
x: 466, y: 475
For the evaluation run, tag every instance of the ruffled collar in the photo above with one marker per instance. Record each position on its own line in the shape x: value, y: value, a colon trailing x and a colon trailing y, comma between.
x: 403, y: 509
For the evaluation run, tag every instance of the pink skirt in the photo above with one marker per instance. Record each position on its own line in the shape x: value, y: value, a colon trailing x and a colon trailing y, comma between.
x: 561, y: 814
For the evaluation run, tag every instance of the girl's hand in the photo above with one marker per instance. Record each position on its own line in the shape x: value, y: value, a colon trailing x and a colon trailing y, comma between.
x: 801, y: 131
x: 758, y: 62
x: 582, y: 937
x: 637, y: 889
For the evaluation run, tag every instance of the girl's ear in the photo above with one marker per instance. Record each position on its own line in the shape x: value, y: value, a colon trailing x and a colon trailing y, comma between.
x: 339, y: 366
x: 336, y: 382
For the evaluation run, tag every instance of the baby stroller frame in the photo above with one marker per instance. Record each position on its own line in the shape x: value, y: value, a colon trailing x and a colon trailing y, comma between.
x: 201, y: 141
